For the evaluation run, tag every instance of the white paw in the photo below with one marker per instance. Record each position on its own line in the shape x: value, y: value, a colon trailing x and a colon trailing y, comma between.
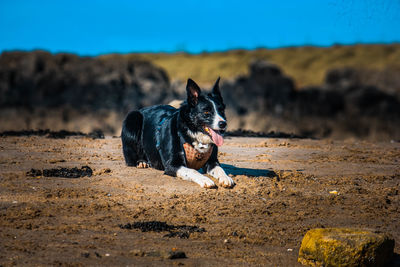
x: 226, y: 181
x: 194, y: 176
x: 142, y: 165
x: 223, y: 179
x: 207, y: 183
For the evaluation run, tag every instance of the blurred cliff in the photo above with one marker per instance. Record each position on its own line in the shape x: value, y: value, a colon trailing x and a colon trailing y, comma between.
x: 39, y: 90
x: 350, y: 103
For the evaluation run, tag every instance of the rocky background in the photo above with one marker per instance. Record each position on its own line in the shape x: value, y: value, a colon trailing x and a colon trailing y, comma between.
x: 345, y: 105
x: 39, y: 90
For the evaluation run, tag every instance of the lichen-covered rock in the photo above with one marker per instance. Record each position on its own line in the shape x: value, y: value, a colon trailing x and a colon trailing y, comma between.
x: 345, y: 247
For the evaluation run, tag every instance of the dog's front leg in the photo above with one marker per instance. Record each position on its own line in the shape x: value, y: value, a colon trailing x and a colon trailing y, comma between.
x: 219, y: 173
x: 194, y: 176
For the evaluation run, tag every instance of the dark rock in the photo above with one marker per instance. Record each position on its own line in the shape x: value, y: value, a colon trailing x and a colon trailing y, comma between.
x: 152, y: 226
x: 362, y: 95
x: 372, y: 102
x: 62, y: 172
x: 97, y: 134
x: 272, y: 134
x: 342, y: 79
x: 34, y: 173
x: 265, y: 89
x: 175, y: 255
x: 40, y: 79
x: 349, y: 103
x: 316, y: 102
x: 181, y: 231
x: 158, y: 253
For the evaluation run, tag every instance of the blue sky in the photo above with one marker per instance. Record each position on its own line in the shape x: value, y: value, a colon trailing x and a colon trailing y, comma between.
x: 123, y: 26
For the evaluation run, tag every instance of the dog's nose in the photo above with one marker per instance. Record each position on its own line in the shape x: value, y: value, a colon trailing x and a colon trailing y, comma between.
x: 222, y: 124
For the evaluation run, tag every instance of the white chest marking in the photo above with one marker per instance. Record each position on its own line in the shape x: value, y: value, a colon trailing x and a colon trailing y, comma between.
x: 202, y: 141
x: 202, y: 148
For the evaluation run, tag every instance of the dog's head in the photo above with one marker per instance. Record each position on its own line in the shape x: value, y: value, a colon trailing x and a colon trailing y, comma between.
x: 206, y: 111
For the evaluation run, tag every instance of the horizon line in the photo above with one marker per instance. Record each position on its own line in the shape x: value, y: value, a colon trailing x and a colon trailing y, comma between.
x: 197, y: 53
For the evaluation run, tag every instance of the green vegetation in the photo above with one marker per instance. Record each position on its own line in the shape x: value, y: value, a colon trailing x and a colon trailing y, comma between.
x: 306, y: 65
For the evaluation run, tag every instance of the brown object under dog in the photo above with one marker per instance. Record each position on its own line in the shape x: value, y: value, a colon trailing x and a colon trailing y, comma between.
x: 195, y: 159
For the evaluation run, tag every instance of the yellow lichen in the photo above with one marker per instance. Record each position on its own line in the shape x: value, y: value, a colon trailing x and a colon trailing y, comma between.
x: 345, y: 247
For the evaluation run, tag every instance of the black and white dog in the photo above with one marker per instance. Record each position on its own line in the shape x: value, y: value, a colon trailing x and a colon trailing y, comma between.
x: 169, y: 139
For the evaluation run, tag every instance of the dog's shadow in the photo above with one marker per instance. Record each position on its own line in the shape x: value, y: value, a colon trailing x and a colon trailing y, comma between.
x: 230, y: 169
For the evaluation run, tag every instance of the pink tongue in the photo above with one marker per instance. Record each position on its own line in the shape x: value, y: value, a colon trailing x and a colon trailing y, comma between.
x: 217, y: 138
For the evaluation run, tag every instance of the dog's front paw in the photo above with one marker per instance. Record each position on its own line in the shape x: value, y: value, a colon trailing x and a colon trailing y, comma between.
x: 142, y: 165
x: 194, y: 176
x: 207, y: 183
x: 226, y: 181
x: 223, y: 179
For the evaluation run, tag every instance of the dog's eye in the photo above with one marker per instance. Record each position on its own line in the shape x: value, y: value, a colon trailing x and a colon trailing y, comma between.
x: 207, y: 112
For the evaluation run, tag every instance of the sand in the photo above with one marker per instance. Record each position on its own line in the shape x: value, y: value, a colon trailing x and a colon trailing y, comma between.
x: 284, y: 188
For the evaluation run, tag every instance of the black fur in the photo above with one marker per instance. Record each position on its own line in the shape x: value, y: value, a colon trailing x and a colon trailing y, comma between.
x: 156, y: 134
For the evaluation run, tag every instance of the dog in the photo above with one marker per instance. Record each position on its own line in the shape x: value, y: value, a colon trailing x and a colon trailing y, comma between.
x: 179, y: 141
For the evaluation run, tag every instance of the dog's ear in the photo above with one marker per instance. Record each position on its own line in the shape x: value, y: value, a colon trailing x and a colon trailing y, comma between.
x: 193, y: 92
x: 215, y: 90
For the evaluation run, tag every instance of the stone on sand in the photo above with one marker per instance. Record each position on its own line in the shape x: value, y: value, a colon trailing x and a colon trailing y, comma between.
x: 345, y: 247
